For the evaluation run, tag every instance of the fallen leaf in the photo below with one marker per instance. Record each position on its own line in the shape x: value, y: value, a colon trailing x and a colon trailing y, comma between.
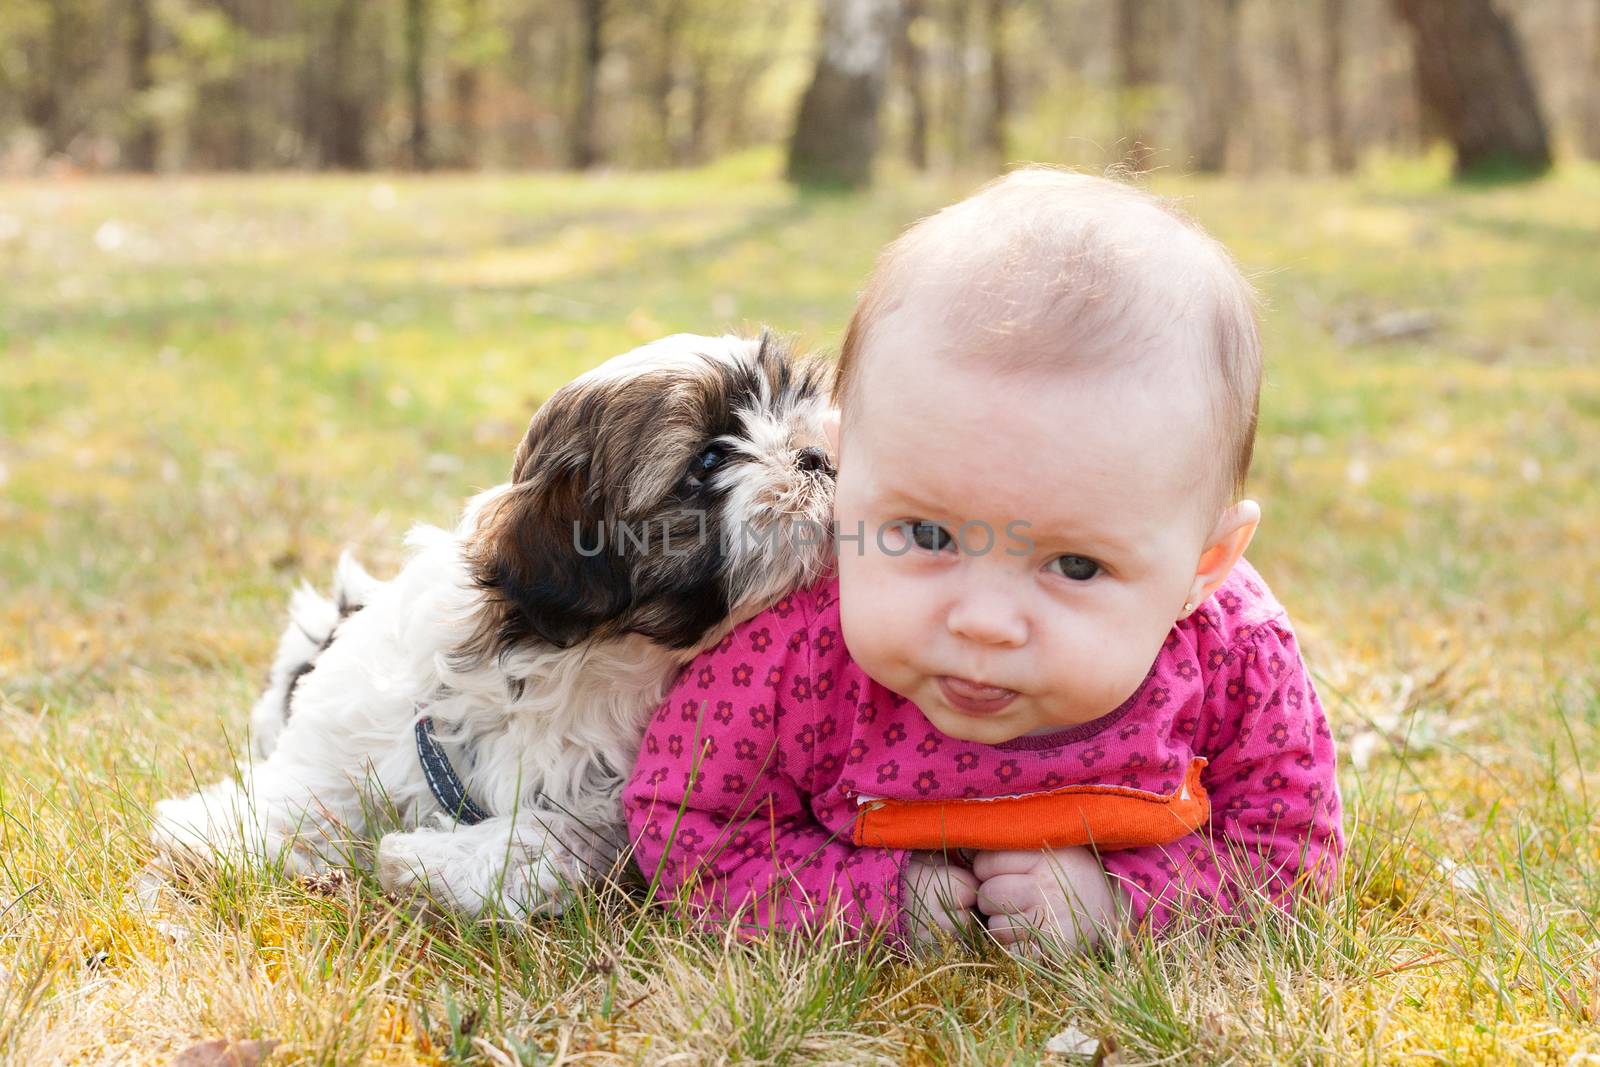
x: 146, y: 888
x: 1461, y: 875
x: 220, y: 1052
x: 1072, y: 1042
x: 1363, y: 746
x: 177, y: 933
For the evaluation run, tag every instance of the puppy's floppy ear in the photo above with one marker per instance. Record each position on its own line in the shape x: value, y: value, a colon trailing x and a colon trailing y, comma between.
x: 542, y: 555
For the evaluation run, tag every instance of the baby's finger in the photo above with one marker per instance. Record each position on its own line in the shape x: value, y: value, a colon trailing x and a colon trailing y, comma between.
x: 987, y: 865
x: 1009, y: 894
x: 1013, y: 930
x: 943, y: 884
x: 1025, y: 935
x: 963, y: 887
x: 954, y: 894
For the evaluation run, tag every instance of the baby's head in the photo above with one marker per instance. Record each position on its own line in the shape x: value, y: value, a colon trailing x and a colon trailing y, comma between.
x: 1047, y: 403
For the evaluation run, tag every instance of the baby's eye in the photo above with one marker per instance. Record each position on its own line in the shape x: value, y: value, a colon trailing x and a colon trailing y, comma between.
x: 1077, y: 568
x: 929, y: 536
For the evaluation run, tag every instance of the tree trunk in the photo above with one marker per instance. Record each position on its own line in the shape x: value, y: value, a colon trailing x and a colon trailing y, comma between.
x: 914, y: 69
x: 139, y: 154
x: 465, y: 94
x: 958, y: 86
x: 1218, y: 94
x: 994, y: 131
x: 240, y: 103
x: 44, y: 105
x: 669, y: 32
x: 1134, y: 33
x: 1591, y: 123
x: 693, y: 148
x: 1474, y: 82
x: 1301, y: 131
x: 1341, y: 154
x: 836, y: 130
x: 466, y: 91
x: 416, y: 81
x: 583, y: 142
x: 343, y: 129
x: 519, y: 140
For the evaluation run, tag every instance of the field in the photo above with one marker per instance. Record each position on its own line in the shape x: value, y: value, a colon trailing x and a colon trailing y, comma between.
x: 209, y: 386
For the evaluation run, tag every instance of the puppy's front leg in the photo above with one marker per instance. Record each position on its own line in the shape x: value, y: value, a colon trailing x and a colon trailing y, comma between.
x: 516, y: 866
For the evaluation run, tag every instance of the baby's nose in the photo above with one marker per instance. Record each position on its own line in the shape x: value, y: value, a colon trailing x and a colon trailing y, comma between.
x: 988, y: 619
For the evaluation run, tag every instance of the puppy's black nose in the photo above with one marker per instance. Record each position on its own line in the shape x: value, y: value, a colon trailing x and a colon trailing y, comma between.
x: 812, y: 459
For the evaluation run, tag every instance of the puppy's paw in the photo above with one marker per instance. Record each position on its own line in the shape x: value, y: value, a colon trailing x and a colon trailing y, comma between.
x: 493, y: 868
x: 224, y: 827
x: 189, y: 836
x: 543, y: 884
x: 403, y: 872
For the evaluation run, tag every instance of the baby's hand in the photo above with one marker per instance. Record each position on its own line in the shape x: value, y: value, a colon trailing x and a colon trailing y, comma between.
x: 1059, y: 895
x: 938, y: 895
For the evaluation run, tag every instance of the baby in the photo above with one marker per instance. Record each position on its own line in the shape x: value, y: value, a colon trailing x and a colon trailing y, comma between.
x: 1042, y: 689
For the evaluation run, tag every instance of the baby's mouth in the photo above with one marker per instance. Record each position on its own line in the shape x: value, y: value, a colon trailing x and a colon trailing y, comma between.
x: 974, y: 698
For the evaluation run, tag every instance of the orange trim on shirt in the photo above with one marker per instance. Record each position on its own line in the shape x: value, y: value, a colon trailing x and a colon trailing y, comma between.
x: 1108, y: 816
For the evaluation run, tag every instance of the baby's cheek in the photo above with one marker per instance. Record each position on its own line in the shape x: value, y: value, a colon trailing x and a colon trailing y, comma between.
x: 1090, y: 673
x: 1120, y: 671
x: 862, y: 623
x: 874, y: 620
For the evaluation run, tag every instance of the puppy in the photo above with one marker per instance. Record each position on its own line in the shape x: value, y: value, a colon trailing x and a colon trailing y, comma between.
x: 491, y: 696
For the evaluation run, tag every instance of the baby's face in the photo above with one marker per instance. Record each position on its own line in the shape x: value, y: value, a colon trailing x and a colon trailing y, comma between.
x: 1039, y: 533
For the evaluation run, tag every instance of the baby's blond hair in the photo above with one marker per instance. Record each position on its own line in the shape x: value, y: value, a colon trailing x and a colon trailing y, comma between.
x: 1109, y: 272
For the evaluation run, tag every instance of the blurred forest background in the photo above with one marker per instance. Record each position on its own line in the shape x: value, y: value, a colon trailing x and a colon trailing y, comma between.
x: 1194, y: 85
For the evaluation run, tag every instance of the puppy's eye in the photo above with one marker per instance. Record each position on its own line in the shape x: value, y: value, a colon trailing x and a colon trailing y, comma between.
x: 929, y: 536
x: 701, y: 466
x: 1077, y: 568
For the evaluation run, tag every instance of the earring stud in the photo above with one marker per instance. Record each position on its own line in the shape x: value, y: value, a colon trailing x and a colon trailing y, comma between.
x: 1187, y: 607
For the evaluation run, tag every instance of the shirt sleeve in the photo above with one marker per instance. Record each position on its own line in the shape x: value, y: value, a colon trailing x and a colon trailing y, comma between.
x: 718, y: 803
x: 1275, y: 828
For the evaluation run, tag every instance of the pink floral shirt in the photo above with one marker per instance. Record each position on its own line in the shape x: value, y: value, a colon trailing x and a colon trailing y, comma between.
x: 757, y: 766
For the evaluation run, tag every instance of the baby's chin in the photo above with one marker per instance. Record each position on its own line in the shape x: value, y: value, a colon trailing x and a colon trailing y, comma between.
x: 923, y: 691
x: 1018, y: 720
x: 980, y: 729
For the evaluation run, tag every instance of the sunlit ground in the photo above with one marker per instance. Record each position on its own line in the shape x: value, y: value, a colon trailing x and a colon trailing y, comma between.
x: 208, y: 386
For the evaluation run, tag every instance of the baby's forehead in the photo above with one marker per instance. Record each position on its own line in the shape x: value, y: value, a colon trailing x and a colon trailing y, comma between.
x: 1020, y: 337
x: 922, y: 410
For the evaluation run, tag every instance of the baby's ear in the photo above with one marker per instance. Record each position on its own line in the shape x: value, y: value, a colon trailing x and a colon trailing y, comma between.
x: 1226, y: 543
x: 830, y: 430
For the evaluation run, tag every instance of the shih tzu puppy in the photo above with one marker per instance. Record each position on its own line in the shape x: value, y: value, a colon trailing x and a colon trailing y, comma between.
x: 491, y: 696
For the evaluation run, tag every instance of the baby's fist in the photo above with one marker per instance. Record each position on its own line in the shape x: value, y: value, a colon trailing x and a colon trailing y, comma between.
x: 938, y: 895
x: 1062, y: 894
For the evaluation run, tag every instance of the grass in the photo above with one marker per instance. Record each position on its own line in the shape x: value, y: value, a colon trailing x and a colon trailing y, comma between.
x: 208, y: 386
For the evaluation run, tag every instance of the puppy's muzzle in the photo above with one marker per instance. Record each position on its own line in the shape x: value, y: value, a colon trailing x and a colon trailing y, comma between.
x: 814, y: 460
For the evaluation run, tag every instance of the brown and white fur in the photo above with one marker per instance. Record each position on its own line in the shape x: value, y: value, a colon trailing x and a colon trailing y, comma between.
x: 537, y: 658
